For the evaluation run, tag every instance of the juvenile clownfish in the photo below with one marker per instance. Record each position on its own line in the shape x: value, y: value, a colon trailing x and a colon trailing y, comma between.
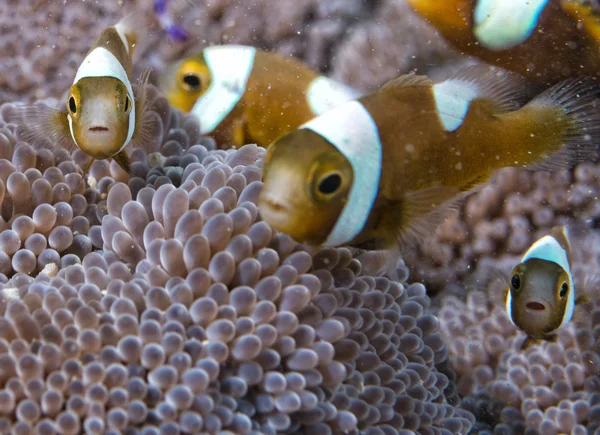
x: 544, y: 40
x: 385, y: 169
x: 541, y: 295
x: 103, y: 114
x: 244, y: 95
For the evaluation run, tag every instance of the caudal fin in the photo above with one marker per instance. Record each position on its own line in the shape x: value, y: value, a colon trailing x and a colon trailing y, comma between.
x: 577, y: 110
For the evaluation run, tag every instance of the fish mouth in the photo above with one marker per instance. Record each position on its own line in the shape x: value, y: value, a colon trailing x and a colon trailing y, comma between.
x: 98, y: 129
x: 535, y: 306
x: 275, y: 205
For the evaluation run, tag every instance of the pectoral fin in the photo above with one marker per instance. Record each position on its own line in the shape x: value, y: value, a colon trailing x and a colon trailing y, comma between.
x: 40, y: 126
x: 148, y: 131
x: 419, y: 213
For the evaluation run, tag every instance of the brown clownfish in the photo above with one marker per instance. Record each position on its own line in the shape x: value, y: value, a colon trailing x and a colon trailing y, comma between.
x: 384, y: 169
x: 244, y: 95
x: 541, y: 296
x: 544, y: 40
x: 103, y: 113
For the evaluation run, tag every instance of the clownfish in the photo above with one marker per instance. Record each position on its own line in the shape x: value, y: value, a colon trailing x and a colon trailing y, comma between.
x: 244, y: 95
x: 103, y: 113
x: 544, y: 40
x: 541, y: 295
x: 384, y: 170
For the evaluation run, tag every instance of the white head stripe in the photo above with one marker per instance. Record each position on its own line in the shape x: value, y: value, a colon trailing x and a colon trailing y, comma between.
x: 351, y: 129
x: 503, y: 24
x: 71, y: 128
x: 509, y: 306
x: 230, y: 67
x: 102, y: 63
x: 324, y: 94
x: 547, y: 248
x: 452, y: 99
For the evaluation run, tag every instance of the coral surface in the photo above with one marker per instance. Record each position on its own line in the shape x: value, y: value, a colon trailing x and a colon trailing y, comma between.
x: 161, y: 302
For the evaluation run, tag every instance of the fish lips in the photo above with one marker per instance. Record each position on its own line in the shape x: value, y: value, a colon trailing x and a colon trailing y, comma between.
x: 98, y: 129
x: 536, y: 306
x: 274, y: 211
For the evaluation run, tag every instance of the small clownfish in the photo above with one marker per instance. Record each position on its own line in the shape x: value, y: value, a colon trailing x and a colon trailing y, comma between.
x: 384, y: 170
x: 103, y: 113
x: 541, y: 293
x: 544, y: 40
x: 244, y: 95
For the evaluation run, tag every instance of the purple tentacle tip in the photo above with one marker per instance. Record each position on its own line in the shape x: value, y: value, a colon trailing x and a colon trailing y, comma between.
x: 177, y: 33
x: 160, y: 7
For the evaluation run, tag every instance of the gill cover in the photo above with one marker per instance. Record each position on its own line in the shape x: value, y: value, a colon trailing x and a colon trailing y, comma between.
x: 352, y: 130
x: 230, y: 68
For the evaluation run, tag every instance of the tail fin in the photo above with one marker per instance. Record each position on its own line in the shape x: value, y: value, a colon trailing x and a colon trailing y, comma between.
x: 577, y: 100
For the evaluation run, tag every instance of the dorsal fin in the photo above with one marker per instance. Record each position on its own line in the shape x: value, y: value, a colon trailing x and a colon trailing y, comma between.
x: 406, y: 80
x: 504, y: 90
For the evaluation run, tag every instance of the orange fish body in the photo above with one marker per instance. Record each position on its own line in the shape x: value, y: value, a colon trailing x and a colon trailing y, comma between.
x: 244, y: 95
x: 385, y: 168
x: 544, y: 40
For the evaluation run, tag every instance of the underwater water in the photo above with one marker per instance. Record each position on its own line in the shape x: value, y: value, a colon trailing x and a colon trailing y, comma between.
x: 160, y: 300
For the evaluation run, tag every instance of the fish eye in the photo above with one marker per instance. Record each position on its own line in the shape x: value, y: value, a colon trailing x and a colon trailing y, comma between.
x: 191, y: 82
x: 564, y: 288
x: 72, y: 105
x: 127, y: 104
x: 330, y: 183
x: 515, y: 281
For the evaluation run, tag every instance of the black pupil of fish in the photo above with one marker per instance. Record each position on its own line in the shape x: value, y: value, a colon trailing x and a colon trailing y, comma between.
x: 126, y: 104
x: 192, y: 80
x: 563, y: 289
x: 72, y: 105
x: 515, y: 281
x: 330, y: 184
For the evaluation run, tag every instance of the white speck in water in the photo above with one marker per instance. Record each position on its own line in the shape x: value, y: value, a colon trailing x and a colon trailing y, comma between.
x: 458, y: 166
x: 410, y: 148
